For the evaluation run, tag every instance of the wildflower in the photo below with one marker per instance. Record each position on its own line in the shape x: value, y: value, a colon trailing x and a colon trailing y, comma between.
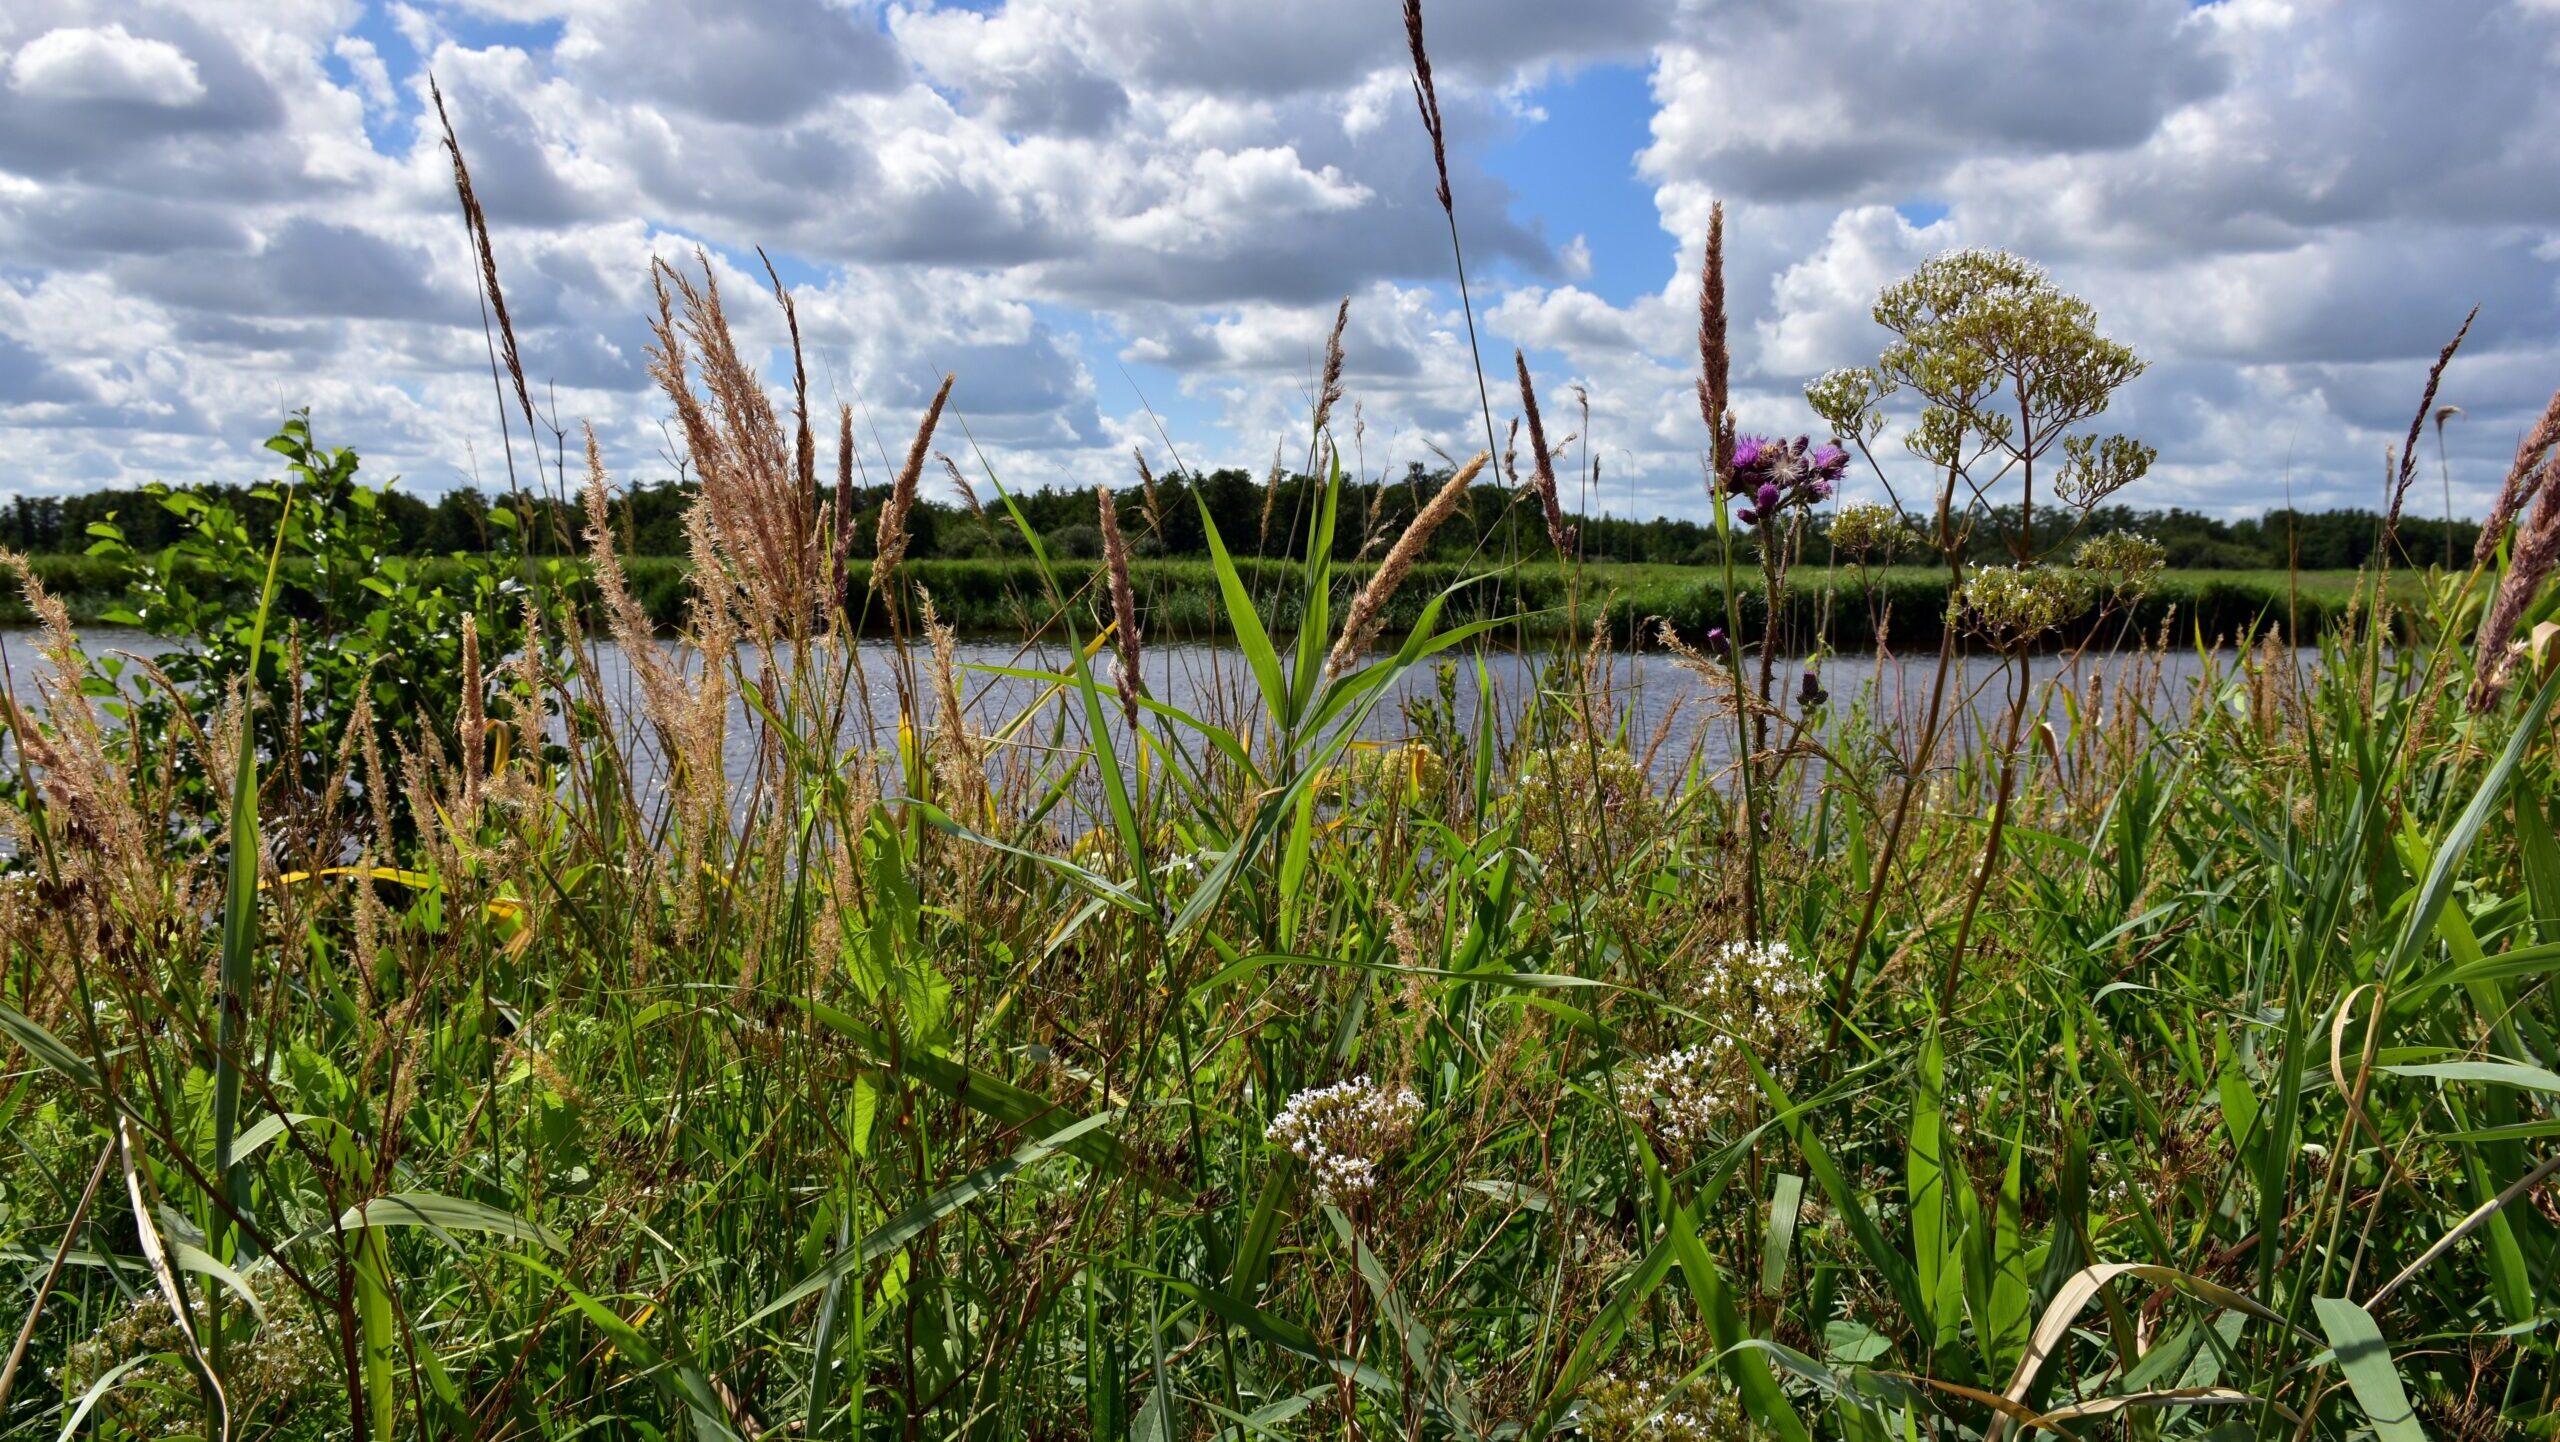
x: 1811, y: 693
x: 1344, y: 1131
x: 1847, y: 401
x: 2094, y: 469
x: 1759, y: 996
x: 1760, y: 992
x: 2128, y: 560
x: 1698, y: 1409
x: 1868, y: 529
x: 1780, y: 474
x: 2015, y: 604
x: 1687, y: 1093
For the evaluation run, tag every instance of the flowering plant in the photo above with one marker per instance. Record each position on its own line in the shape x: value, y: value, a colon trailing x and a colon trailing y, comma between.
x: 1344, y: 1131
x: 1776, y: 474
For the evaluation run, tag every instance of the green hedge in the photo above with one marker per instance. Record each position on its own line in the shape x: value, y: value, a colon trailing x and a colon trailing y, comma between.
x: 1180, y: 599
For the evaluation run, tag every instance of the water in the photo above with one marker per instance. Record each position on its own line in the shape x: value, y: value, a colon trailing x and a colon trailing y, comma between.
x: 1668, y: 711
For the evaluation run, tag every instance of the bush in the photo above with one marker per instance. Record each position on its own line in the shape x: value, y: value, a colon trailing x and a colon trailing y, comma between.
x: 365, y: 626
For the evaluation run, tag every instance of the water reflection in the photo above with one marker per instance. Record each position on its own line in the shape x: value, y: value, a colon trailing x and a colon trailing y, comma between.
x: 1665, y: 708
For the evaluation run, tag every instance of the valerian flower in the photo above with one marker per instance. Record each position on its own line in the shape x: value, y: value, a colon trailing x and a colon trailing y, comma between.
x: 1868, y: 529
x: 1687, y: 1094
x: 1758, y: 997
x: 2012, y: 605
x: 1760, y: 993
x: 1343, y: 1133
x: 2126, y: 560
x: 1695, y: 1409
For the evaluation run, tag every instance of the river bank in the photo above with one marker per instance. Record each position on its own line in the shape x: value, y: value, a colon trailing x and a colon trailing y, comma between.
x: 1180, y: 599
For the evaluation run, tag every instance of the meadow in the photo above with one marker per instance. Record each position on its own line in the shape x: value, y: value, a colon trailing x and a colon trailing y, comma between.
x: 410, y: 1034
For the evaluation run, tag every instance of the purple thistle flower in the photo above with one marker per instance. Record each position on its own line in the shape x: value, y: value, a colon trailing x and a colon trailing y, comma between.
x: 1830, y: 461
x: 1822, y: 490
x: 1767, y: 498
x: 1746, y: 452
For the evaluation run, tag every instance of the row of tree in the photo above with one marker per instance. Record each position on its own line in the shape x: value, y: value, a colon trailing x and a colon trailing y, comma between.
x: 1252, y: 518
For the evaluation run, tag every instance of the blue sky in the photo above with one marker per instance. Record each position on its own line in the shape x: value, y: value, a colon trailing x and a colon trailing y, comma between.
x: 214, y: 212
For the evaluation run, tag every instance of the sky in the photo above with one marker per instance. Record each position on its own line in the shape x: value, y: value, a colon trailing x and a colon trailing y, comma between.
x: 1127, y: 223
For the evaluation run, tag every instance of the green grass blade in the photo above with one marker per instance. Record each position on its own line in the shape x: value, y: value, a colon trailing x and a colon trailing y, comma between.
x: 240, y: 913
x: 2365, y: 1358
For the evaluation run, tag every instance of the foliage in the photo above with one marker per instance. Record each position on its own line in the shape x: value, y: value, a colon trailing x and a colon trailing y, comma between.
x: 364, y: 630
x: 788, y: 1055
x: 649, y: 525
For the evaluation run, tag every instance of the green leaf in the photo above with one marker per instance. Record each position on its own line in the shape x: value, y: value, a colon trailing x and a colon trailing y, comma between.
x: 380, y: 1354
x: 2496, y: 1073
x: 1846, y: 1200
x: 2365, y: 1358
x: 442, y: 1214
x: 1939, y: 1262
x: 674, y: 1375
x: 1786, y: 1199
x: 1748, y: 1369
x: 2449, y: 854
x: 1241, y: 617
x: 994, y: 1097
x: 105, y: 1384
x: 1440, y: 1379
x: 2540, y: 853
x: 45, y: 1047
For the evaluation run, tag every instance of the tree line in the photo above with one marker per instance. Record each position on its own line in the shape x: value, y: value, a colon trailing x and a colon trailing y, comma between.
x: 1253, y: 518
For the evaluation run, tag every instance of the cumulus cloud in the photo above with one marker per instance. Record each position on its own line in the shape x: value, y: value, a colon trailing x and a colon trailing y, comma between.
x: 216, y: 213
x: 108, y: 62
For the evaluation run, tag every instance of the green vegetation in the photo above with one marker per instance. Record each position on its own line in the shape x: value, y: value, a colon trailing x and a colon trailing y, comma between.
x: 648, y: 519
x: 1183, y: 602
x: 508, y: 1054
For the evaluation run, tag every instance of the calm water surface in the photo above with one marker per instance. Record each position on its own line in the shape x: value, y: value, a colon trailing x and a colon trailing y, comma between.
x: 1665, y: 708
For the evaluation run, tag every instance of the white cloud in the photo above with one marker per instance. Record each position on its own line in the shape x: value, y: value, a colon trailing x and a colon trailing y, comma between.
x: 216, y: 213
x: 373, y: 78
x: 104, y: 63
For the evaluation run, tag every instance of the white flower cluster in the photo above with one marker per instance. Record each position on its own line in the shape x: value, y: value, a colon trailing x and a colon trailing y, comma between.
x: 1756, y: 997
x: 1759, y: 993
x: 2015, y: 603
x: 1869, y: 528
x: 2123, y: 556
x: 1644, y: 1410
x: 1343, y: 1131
x: 1688, y: 1092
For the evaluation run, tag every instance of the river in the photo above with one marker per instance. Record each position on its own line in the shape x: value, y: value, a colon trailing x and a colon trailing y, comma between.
x: 1664, y: 707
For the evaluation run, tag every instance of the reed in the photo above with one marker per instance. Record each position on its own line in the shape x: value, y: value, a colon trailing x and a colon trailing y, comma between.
x: 1411, y: 1029
x: 890, y: 547
x: 1360, y: 625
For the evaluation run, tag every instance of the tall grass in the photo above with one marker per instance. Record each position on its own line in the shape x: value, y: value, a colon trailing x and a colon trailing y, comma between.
x: 933, y: 1092
x: 1175, y: 1066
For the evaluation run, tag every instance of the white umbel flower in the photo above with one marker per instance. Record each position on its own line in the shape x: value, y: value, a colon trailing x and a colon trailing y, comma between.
x: 1343, y: 1132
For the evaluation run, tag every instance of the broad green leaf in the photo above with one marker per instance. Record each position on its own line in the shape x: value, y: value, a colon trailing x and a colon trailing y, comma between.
x: 2365, y: 1358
